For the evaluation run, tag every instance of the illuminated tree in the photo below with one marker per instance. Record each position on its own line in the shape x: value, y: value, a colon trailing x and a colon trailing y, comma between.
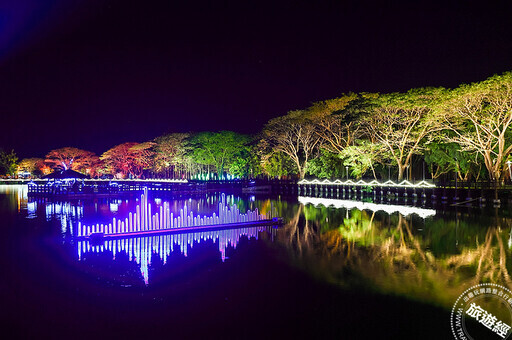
x: 217, y: 148
x: 128, y: 159
x: 276, y: 164
x: 362, y: 157
x: 326, y: 165
x: 34, y: 166
x: 400, y: 123
x: 246, y: 163
x: 442, y: 158
x: 8, y: 163
x: 479, y: 118
x: 70, y: 158
x: 294, y: 135
x: 170, y: 151
x: 337, y: 120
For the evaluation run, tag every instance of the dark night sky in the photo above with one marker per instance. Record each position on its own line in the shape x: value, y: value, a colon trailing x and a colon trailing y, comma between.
x: 93, y: 74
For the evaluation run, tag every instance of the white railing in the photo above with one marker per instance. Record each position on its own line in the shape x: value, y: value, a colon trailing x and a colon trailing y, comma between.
x: 373, y: 183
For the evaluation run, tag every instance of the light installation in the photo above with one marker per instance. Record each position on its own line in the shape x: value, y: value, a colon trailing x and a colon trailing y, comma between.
x: 349, y: 204
x: 141, y: 249
x: 143, y: 221
x: 373, y: 183
x: 94, y: 180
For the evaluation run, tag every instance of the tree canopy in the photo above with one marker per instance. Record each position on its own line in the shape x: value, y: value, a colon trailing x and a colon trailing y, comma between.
x: 463, y: 132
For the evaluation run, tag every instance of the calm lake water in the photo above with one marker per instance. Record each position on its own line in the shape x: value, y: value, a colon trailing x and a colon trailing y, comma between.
x: 335, y: 269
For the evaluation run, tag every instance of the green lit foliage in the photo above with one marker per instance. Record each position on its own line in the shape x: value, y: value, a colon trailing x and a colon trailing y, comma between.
x: 442, y: 158
x: 277, y: 164
x: 8, y: 163
x: 219, y: 149
x: 401, y: 122
x: 246, y: 163
x: 326, y: 165
x: 361, y: 158
x: 479, y: 117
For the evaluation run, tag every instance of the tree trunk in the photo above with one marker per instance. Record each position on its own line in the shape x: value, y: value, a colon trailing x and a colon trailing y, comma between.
x: 401, y: 170
x: 302, y: 172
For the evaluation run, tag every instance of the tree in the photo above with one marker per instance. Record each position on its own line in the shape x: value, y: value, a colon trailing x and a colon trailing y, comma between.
x: 70, y: 158
x: 277, y: 164
x: 128, y: 159
x: 170, y: 151
x: 400, y: 123
x: 34, y: 166
x: 326, y: 165
x: 442, y: 158
x: 362, y: 157
x: 294, y: 135
x: 219, y: 149
x: 8, y: 163
x: 479, y: 116
x: 337, y: 120
x: 246, y: 163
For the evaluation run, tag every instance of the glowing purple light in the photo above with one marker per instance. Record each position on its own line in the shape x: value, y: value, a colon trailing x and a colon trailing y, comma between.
x: 140, y: 249
x: 143, y: 220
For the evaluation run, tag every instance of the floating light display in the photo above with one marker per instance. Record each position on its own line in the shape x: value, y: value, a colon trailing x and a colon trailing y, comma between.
x: 144, y: 221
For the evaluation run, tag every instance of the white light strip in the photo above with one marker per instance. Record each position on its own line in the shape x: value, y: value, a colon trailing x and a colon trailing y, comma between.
x: 374, y: 183
x: 348, y: 204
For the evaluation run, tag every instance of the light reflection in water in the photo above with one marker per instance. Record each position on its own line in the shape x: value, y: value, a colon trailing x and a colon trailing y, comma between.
x: 349, y: 204
x: 140, y: 249
x: 18, y: 194
x: 423, y: 256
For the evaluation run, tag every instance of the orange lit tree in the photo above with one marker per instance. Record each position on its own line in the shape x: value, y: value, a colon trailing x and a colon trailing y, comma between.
x: 70, y: 158
x: 128, y: 159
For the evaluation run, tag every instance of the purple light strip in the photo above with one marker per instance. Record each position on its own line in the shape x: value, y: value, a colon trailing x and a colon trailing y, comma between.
x: 163, y: 220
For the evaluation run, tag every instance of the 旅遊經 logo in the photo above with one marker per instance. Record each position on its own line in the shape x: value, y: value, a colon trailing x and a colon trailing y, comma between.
x: 483, y: 311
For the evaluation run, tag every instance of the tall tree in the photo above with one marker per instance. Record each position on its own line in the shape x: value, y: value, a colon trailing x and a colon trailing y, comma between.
x: 337, y: 120
x: 400, y: 122
x: 128, y: 159
x: 294, y: 135
x: 362, y: 157
x: 479, y: 116
x: 217, y: 148
x: 8, y: 163
x: 70, y: 158
x: 246, y: 163
x: 442, y: 158
x: 170, y: 150
x: 34, y: 166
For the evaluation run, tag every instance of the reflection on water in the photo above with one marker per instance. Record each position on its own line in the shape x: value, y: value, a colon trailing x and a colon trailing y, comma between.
x: 141, y: 249
x: 423, y: 256
x: 17, y: 195
x: 350, y: 204
x: 70, y: 214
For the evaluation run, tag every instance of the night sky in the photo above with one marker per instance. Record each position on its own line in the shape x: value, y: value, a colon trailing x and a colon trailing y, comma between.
x: 93, y: 74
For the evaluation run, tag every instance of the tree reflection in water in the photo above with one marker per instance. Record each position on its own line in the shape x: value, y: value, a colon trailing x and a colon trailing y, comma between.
x: 432, y: 260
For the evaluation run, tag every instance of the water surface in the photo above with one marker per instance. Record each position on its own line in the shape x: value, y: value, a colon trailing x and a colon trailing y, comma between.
x: 335, y: 269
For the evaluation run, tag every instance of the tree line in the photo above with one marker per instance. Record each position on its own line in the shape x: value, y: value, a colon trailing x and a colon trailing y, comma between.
x: 438, y: 132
